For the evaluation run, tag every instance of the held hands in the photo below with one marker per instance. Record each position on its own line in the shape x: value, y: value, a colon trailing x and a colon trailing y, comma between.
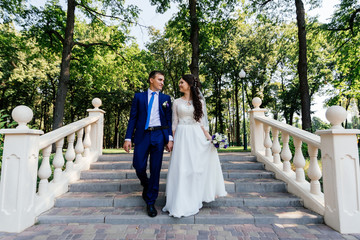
x: 169, y: 146
x: 127, y: 146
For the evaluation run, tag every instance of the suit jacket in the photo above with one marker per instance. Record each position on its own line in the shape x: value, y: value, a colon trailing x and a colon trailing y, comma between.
x: 138, y: 116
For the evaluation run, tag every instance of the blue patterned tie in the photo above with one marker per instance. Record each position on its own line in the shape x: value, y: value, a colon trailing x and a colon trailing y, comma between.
x: 149, y: 110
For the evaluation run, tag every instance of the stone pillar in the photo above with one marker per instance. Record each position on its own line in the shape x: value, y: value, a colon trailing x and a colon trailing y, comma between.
x: 97, y: 130
x: 19, y: 173
x: 256, y: 128
x: 341, y: 173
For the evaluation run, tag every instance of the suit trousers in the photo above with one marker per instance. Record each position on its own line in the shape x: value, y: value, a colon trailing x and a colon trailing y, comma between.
x: 152, y: 143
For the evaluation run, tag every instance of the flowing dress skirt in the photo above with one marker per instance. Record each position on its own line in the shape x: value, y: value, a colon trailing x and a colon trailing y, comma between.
x: 194, y: 174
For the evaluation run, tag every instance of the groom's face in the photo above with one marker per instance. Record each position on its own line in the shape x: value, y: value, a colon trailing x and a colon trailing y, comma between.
x: 157, y: 83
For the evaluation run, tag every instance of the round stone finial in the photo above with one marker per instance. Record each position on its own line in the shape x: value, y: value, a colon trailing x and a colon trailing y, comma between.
x: 96, y: 102
x: 336, y: 115
x: 22, y: 115
x: 256, y: 102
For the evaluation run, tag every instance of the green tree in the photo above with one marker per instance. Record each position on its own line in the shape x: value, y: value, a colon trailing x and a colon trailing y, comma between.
x: 61, y: 28
x: 192, y: 14
x: 302, y: 66
x: 172, y: 54
x: 344, y: 32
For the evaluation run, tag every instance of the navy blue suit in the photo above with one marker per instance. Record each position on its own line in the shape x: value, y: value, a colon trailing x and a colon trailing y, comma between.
x: 149, y: 142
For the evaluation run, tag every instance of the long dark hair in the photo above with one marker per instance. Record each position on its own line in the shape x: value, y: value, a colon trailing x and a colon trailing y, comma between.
x: 194, y: 84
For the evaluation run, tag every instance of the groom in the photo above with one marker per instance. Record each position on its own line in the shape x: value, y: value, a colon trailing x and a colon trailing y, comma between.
x: 150, y: 117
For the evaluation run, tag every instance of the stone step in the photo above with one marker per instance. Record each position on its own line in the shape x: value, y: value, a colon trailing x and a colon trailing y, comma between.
x: 207, y: 215
x: 130, y: 174
x: 166, y: 157
x: 259, y: 185
x: 111, y: 193
x: 123, y: 185
x: 131, y: 185
x: 228, y: 165
x: 134, y: 199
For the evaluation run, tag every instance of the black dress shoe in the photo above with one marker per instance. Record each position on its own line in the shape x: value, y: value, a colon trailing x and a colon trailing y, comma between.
x: 151, y: 210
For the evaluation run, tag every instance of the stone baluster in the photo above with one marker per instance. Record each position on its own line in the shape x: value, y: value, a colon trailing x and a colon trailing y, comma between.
x: 256, y: 127
x: 299, y: 160
x: 267, y: 141
x: 58, y: 161
x: 97, y: 130
x: 44, y: 171
x: 70, y: 152
x: 286, y: 153
x: 87, y: 141
x: 79, y: 147
x: 276, y: 148
x: 19, y: 173
x: 341, y: 173
x: 314, y: 171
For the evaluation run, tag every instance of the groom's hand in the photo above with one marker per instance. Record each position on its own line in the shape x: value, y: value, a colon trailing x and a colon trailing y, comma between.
x: 169, y: 146
x: 127, y: 146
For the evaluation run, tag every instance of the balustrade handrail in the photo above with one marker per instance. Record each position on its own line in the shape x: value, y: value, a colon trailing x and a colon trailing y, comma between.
x: 60, y: 133
x: 23, y: 198
x: 303, y: 135
x: 339, y: 199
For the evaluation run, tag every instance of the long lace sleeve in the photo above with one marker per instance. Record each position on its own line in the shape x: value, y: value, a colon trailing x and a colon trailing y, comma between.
x: 204, y: 119
x: 175, y: 119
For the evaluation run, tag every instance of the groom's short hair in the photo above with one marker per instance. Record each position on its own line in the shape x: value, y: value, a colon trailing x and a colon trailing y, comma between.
x: 153, y: 74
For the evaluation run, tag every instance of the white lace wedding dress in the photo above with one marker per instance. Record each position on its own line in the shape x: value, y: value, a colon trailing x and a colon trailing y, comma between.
x: 195, y: 174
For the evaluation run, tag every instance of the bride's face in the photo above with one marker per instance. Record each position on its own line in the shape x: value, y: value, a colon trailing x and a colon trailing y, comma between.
x: 184, y: 86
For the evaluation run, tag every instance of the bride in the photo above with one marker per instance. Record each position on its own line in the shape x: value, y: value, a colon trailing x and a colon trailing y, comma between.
x: 195, y: 174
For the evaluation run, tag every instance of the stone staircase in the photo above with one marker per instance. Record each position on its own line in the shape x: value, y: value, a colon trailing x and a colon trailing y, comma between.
x: 111, y: 193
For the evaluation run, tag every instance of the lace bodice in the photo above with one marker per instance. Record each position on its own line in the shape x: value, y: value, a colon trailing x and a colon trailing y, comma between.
x: 183, y: 114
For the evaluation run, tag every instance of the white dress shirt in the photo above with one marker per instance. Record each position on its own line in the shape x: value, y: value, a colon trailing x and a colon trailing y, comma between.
x: 155, y: 114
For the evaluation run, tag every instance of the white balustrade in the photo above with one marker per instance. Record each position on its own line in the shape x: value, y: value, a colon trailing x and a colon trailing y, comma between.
x: 286, y: 153
x: 79, y: 147
x: 276, y: 148
x: 299, y: 160
x: 341, y: 173
x: 58, y: 161
x: 314, y: 171
x: 256, y: 127
x: 340, y: 202
x: 87, y: 141
x: 44, y: 170
x: 19, y: 173
x: 19, y: 203
x: 70, y: 152
x: 267, y: 141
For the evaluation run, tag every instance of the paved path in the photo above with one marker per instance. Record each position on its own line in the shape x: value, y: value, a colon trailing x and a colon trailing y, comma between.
x: 176, y: 231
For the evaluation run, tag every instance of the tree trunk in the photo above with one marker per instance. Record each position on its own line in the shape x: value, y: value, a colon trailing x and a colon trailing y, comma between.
x: 194, y: 39
x: 65, y: 66
x: 302, y: 67
x: 237, y: 112
x: 116, y: 129
x: 220, y: 110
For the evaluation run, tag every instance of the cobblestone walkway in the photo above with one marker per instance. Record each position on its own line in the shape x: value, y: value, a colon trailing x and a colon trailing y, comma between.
x: 176, y: 231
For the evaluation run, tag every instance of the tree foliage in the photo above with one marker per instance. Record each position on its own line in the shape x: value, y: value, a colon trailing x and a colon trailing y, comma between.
x: 106, y: 63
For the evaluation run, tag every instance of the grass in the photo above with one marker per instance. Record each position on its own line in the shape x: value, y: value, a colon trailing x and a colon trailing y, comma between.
x: 114, y: 150
x: 229, y: 149
x: 235, y: 149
